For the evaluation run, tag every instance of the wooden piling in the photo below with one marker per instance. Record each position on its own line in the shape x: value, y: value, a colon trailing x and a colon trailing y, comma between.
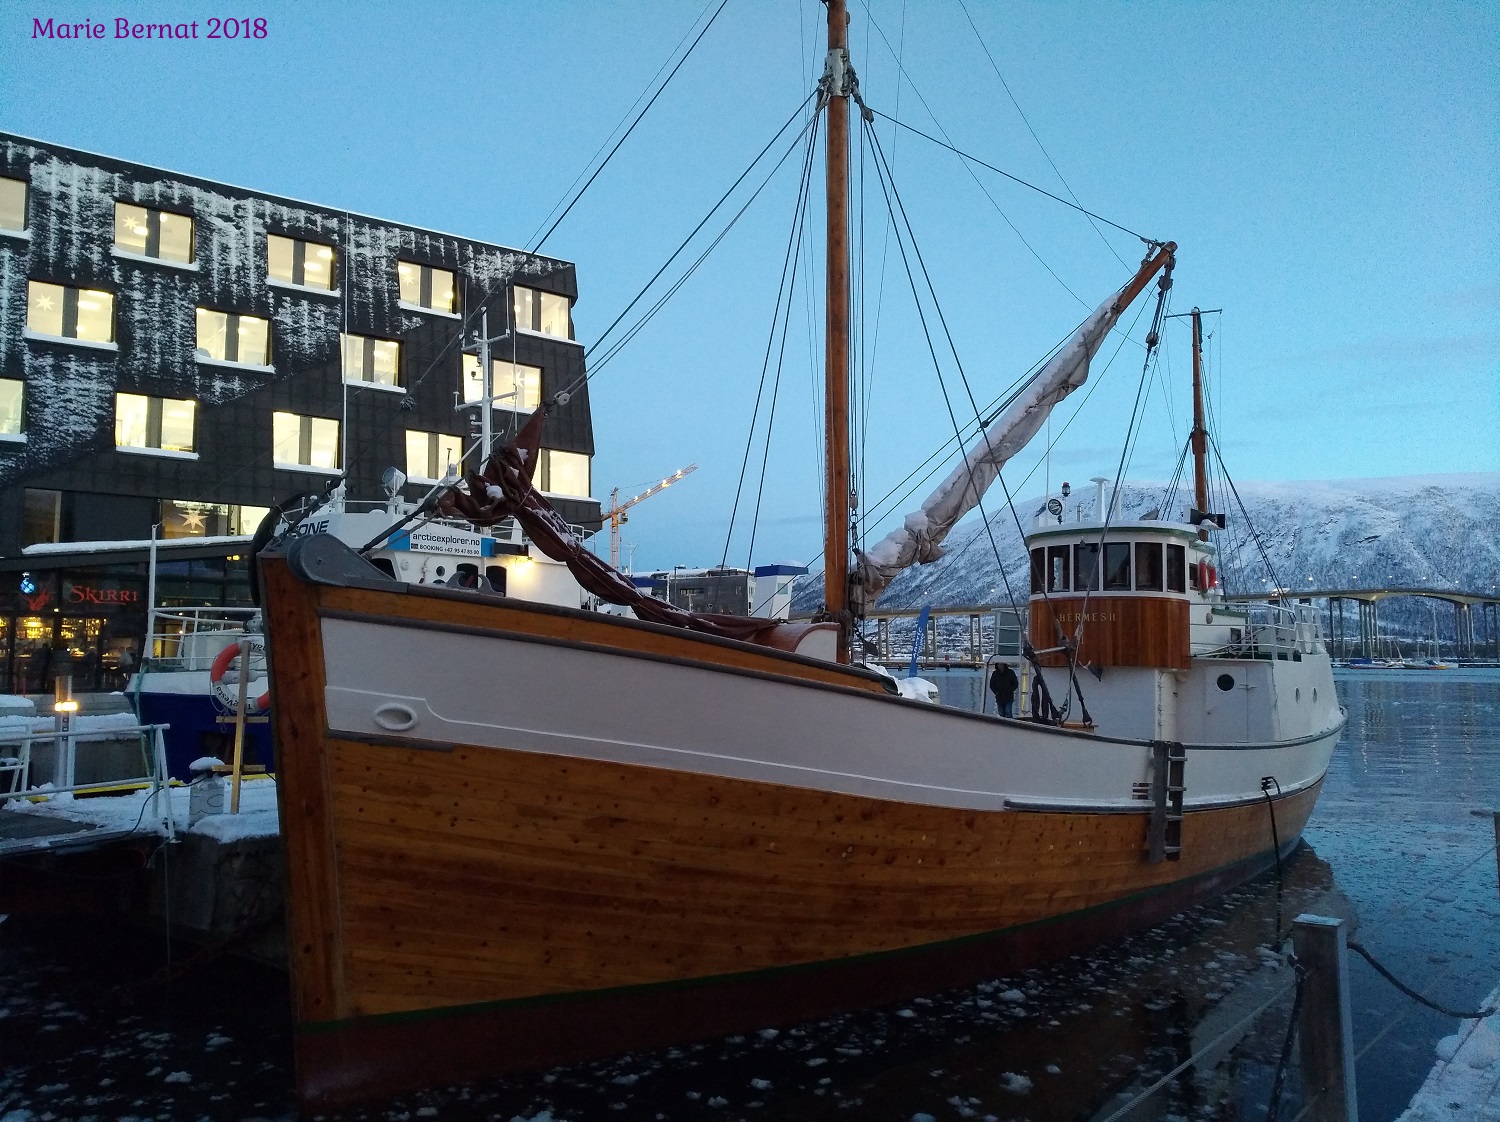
x: 1327, y: 1040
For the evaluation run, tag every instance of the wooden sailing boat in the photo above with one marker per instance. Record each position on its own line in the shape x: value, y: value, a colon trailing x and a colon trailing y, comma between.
x: 521, y: 834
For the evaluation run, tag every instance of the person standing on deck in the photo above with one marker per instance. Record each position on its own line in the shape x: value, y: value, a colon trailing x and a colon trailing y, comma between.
x: 1003, y: 683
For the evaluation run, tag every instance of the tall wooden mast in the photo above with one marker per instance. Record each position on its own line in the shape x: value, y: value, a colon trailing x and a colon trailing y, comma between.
x: 836, y: 381
x: 1200, y: 430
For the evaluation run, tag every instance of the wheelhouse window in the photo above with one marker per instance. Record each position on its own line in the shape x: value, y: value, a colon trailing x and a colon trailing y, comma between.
x: 429, y: 455
x: 522, y: 382
x: 305, y: 264
x: 1117, y: 566
x: 543, y: 312
x: 12, y: 204
x: 422, y: 286
x: 154, y: 233
x: 231, y: 337
x: 162, y: 423
x: 12, y: 406
x: 564, y: 473
x: 304, y: 442
x: 375, y: 361
x: 1086, y: 567
x: 1148, y: 567
x: 1176, y: 568
x: 1058, y: 569
x: 85, y: 314
x: 1038, y: 571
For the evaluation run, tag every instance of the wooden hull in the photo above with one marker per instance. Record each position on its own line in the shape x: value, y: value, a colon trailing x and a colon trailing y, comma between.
x: 459, y: 908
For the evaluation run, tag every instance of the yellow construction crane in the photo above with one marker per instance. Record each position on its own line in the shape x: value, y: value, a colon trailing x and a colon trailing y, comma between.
x: 616, y: 512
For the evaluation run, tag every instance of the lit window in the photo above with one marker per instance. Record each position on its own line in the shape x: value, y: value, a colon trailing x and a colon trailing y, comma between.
x: 230, y: 337
x: 70, y: 313
x: 153, y: 233
x: 522, y: 383
x: 301, y: 263
x: 309, y: 442
x: 422, y: 286
x: 12, y: 204
x: 370, y: 360
x: 564, y: 473
x: 12, y: 395
x: 154, y: 422
x: 545, y: 312
x: 184, y: 518
x: 429, y: 455
x: 246, y: 519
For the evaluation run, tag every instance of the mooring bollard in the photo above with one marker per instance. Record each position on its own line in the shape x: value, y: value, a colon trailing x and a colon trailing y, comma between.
x: 1327, y: 1044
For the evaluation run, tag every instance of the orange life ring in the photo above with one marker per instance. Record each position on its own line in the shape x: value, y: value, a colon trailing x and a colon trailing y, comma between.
x: 230, y: 696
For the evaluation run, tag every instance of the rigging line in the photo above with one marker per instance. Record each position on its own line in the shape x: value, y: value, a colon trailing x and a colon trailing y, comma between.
x: 1107, y: 514
x: 793, y: 244
x: 953, y: 348
x: 618, y: 124
x: 885, y: 245
x: 1016, y: 178
x: 983, y: 190
x: 1074, y: 686
x: 1006, y: 86
x: 888, y: 186
x: 775, y: 389
x: 639, y: 116
x: 473, y: 313
x: 711, y: 212
x: 1254, y: 533
x: 616, y: 347
x: 997, y: 406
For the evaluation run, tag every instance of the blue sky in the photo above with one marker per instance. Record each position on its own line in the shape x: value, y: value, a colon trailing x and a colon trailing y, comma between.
x: 1329, y: 172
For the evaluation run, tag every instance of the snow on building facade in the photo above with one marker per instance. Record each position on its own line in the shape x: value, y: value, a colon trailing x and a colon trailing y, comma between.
x: 183, y: 353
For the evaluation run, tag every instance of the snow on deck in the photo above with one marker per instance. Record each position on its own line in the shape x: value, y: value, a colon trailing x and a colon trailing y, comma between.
x: 1464, y: 1086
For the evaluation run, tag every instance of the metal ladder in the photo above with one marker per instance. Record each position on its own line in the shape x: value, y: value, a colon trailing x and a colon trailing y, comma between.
x: 1164, y: 836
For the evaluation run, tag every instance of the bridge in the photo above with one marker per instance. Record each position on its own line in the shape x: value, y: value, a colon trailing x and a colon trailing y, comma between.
x: 1368, y: 642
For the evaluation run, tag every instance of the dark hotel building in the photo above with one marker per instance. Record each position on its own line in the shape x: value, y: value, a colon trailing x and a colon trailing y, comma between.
x: 180, y: 354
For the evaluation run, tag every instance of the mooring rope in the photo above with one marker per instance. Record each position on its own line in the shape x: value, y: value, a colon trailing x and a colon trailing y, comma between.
x: 1478, y: 1015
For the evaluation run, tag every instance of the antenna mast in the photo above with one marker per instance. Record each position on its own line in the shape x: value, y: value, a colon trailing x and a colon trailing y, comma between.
x: 1200, y: 430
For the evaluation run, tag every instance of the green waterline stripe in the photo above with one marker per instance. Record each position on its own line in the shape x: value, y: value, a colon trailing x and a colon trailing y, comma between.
x: 576, y: 996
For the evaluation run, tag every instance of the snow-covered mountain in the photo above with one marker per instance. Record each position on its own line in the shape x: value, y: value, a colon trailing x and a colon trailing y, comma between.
x: 1427, y: 531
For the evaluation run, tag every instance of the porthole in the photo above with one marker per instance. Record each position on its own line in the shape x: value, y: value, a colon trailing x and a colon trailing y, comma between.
x: 1297, y: 694
x: 1226, y: 682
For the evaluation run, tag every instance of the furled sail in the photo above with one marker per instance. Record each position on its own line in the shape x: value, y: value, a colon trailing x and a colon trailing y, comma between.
x: 919, y: 540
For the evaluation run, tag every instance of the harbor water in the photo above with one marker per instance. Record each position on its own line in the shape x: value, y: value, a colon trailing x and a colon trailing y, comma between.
x: 93, y: 1025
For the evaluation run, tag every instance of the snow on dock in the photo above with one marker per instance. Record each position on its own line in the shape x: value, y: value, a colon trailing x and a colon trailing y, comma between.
x: 1464, y: 1086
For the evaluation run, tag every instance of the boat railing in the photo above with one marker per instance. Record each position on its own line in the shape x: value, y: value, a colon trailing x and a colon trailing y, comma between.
x: 1274, y: 630
x: 191, y: 638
